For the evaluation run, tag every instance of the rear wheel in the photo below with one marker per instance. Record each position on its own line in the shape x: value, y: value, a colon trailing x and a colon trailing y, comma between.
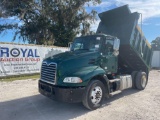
x: 141, y: 80
x: 94, y: 95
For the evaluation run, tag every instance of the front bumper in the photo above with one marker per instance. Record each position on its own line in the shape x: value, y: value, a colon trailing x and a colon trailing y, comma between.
x: 64, y: 94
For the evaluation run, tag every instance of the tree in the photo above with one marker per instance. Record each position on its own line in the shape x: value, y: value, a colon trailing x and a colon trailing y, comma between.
x: 156, y: 44
x: 48, y: 20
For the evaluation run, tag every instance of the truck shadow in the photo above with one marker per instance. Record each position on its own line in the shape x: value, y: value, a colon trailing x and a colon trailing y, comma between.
x: 39, y: 107
x: 119, y: 95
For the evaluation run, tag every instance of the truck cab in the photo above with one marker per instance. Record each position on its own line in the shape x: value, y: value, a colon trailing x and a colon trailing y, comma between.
x: 65, y: 76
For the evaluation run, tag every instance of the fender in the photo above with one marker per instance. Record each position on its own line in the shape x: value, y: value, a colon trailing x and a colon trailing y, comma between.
x: 99, y: 74
x: 86, y: 74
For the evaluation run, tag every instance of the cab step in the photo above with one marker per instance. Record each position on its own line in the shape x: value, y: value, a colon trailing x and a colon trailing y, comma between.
x: 114, y: 80
x: 114, y: 93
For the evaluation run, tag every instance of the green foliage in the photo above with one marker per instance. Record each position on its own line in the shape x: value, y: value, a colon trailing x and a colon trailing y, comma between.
x: 156, y: 44
x: 48, y: 20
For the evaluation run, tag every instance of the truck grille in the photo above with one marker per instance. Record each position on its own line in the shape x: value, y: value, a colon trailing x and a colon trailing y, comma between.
x: 48, y: 72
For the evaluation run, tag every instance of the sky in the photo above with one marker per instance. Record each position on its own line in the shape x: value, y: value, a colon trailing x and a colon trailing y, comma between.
x: 150, y: 10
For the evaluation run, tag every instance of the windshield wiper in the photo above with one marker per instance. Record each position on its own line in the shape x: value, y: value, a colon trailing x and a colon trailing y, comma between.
x: 79, y: 49
x: 83, y: 49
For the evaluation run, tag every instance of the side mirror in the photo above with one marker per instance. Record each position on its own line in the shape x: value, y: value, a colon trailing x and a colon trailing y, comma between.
x: 116, y: 47
x: 116, y: 44
x: 69, y: 45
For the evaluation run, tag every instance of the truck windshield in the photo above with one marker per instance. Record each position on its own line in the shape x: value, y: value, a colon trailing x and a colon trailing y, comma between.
x: 91, y: 43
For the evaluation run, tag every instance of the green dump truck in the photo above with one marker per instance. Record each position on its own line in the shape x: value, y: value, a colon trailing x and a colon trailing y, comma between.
x: 116, y: 58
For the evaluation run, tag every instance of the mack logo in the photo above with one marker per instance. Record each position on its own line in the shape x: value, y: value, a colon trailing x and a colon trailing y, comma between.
x: 16, y: 52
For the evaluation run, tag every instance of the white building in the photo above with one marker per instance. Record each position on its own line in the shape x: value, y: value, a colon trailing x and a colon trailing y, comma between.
x: 156, y: 59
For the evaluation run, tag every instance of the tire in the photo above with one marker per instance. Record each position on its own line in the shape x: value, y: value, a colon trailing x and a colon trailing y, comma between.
x: 94, y: 95
x: 134, y: 73
x: 141, y: 80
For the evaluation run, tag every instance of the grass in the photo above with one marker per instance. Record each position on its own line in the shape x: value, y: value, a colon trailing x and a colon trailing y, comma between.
x: 20, y: 77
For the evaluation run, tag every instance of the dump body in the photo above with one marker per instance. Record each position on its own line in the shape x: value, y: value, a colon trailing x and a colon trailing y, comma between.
x: 135, y: 51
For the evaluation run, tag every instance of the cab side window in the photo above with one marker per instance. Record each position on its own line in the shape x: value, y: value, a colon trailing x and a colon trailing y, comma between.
x: 78, y: 46
x: 108, y: 47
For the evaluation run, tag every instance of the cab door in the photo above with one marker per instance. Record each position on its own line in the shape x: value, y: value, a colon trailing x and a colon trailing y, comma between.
x: 109, y: 60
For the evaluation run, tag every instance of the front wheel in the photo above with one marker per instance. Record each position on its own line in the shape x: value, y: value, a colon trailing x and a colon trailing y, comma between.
x: 94, y: 95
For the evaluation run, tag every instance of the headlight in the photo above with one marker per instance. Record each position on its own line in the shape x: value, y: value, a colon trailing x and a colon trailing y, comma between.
x: 72, y: 80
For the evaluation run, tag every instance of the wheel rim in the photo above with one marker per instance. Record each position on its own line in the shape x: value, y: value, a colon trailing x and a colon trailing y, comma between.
x: 96, y: 95
x: 143, y: 81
